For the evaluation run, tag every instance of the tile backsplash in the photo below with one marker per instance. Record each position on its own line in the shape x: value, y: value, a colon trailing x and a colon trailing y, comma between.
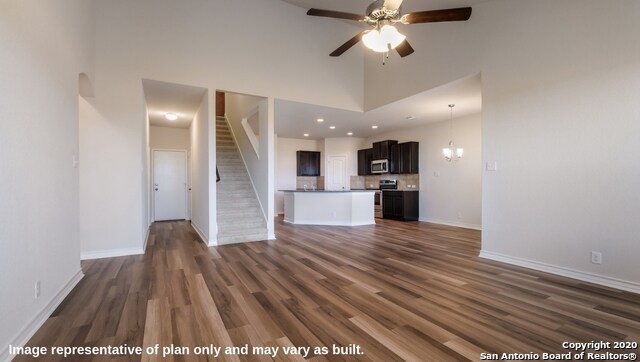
x: 310, y: 181
x: 405, y: 181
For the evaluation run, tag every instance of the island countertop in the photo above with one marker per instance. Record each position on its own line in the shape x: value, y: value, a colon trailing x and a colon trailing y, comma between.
x: 329, y: 207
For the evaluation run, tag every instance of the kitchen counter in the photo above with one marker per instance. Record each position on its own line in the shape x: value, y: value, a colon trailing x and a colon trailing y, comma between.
x: 329, y: 207
x: 328, y: 191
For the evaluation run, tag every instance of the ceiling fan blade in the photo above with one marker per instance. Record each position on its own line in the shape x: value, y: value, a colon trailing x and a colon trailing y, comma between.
x: 346, y: 46
x: 335, y: 14
x: 404, y: 49
x: 433, y: 16
x: 392, y: 4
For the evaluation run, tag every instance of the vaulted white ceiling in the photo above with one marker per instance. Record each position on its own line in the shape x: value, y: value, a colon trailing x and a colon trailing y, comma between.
x: 294, y: 119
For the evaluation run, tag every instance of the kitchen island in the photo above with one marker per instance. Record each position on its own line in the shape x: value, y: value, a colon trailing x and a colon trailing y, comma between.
x: 325, y: 207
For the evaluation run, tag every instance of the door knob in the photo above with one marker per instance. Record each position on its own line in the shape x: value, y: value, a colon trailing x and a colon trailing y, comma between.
x: 156, y: 189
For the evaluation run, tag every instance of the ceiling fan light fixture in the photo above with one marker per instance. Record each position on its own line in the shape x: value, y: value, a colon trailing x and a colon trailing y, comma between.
x: 390, y: 35
x: 383, y: 40
x: 372, y: 41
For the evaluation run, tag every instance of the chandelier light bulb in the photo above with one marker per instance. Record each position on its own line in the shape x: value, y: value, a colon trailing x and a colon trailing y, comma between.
x: 447, y: 153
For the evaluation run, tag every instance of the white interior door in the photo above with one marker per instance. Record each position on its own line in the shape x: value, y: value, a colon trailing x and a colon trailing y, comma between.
x: 336, y: 173
x: 170, y: 185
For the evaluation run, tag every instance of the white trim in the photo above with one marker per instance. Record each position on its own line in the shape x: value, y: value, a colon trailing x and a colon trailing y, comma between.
x: 450, y: 223
x: 271, y: 236
x: 110, y: 253
x: 200, y: 233
x: 30, y: 329
x: 565, y: 272
x: 146, y: 239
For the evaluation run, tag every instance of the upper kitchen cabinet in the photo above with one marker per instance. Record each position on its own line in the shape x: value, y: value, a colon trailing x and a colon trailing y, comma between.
x: 404, y: 158
x: 308, y: 163
x: 364, y: 161
x: 382, y: 149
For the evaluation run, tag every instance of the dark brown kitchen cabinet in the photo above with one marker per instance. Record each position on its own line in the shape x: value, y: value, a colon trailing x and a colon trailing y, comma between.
x: 382, y: 149
x: 400, y: 205
x: 364, y: 161
x: 308, y: 163
x: 404, y: 158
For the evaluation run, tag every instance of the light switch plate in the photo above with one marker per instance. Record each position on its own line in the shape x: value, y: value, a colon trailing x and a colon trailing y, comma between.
x: 492, y: 166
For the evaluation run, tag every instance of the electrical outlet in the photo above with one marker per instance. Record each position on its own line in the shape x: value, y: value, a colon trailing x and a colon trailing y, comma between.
x: 596, y: 257
x: 37, y: 289
x: 459, y: 214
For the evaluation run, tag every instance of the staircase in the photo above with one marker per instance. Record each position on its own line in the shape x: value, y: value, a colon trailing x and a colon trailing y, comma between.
x: 240, y: 217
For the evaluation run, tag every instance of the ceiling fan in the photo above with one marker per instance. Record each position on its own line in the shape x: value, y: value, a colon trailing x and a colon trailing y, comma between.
x: 382, y: 15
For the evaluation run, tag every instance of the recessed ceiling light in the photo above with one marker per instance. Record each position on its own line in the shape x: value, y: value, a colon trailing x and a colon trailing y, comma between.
x: 332, y: 127
x: 320, y: 120
x: 410, y: 117
x: 306, y: 135
x: 374, y: 127
x: 171, y: 116
x: 350, y: 134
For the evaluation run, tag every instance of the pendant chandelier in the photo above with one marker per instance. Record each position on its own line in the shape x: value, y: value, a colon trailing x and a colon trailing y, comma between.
x: 448, y: 152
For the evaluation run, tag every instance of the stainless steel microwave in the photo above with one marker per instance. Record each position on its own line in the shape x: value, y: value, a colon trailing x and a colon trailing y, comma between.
x: 379, y: 166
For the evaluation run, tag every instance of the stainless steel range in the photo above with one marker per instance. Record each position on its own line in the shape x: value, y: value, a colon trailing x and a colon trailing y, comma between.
x: 383, y: 185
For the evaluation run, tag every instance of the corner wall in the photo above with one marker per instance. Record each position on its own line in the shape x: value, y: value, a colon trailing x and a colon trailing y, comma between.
x: 200, y: 163
x: 45, y: 46
x: 560, y: 84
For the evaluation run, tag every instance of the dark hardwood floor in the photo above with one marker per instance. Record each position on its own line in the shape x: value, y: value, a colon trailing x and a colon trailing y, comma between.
x: 399, y: 291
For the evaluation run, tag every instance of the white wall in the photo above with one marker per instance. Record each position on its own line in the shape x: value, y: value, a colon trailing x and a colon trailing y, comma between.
x: 286, y: 165
x: 233, y: 56
x: 450, y: 192
x: 200, y: 208
x: 560, y: 118
x: 169, y: 138
x: 45, y: 45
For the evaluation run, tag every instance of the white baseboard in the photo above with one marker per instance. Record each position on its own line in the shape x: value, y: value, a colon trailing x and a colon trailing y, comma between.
x: 271, y: 236
x: 200, y: 233
x: 146, y: 239
x: 452, y: 223
x: 30, y: 329
x: 110, y: 253
x: 565, y: 272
